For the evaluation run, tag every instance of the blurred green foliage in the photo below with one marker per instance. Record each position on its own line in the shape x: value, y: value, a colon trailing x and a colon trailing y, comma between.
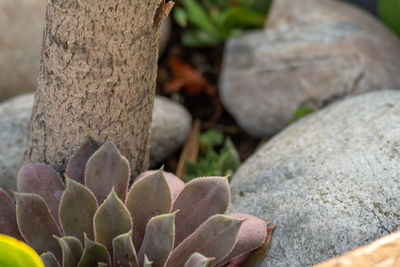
x: 14, y: 253
x: 389, y: 12
x: 211, y: 162
x: 210, y: 22
x: 302, y: 112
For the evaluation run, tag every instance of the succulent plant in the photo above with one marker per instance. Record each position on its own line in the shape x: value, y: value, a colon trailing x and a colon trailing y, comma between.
x: 94, y: 220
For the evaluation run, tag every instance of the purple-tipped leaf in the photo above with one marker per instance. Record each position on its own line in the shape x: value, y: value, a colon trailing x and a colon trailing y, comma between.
x: 39, y: 179
x: 198, y: 260
x: 124, y: 253
x: 200, y: 199
x: 93, y: 253
x: 49, y: 260
x: 71, y: 249
x: 175, y: 184
x: 111, y: 220
x: 158, y: 240
x: 148, y: 197
x: 255, y: 257
x: 77, y: 208
x: 36, y: 224
x: 147, y: 262
x: 77, y: 163
x: 106, y: 169
x: 252, y: 235
x: 8, y: 220
x: 215, y: 238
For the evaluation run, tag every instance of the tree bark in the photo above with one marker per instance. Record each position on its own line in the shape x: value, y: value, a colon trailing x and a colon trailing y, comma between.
x: 97, y: 78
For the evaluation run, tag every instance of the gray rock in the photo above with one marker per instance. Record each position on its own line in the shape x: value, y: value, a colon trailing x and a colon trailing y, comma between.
x: 14, y: 119
x: 330, y: 182
x: 170, y: 127
x: 311, y: 53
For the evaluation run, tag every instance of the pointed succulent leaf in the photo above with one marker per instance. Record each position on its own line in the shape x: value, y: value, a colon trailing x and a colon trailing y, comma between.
x: 8, y: 221
x: 36, y: 224
x: 158, y: 240
x: 111, y: 220
x: 200, y: 199
x: 197, y: 260
x: 77, y: 208
x: 77, y: 163
x: 49, y: 260
x: 148, y: 197
x: 255, y: 257
x: 93, y: 253
x: 102, y: 264
x: 215, y: 238
x: 252, y: 234
x: 175, y: 184
x: 71, y: 250
x: 39, y: 179
x: 106, y: 169
x: 147, y: 262
x: 124, y: 254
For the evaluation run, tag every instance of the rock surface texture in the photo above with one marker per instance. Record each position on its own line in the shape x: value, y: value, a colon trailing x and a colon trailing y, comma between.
x: 21, y: 31
x: 311, y: 53
x: 171, y: 125
x: 330, y: 182
x: 381, y: 253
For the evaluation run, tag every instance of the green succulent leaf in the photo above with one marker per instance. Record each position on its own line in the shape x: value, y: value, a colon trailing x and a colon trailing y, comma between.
x: 102, y: 264
x: 93, y: 253
x: 215, y: 238
x: 148, y: 197
x: 71, y: 250
x: 39, y: 179
x: 174, y: 183
x: 36, y: 224
x: 158, y: 240
x: 111, y: 220
x: 147, y: 262
x: 124, y: 253
x: 77, y: 163
x: 8, y: 222
x: 197, y: 260
x: 106, y: 169
x: 229, y: 158
x: 180, y: 16
x: 15, y: 253
x: 77, y: 208
x: 197, y: 15
x: 252, y: 235
x: 49, y: 260
x: 200, y: 199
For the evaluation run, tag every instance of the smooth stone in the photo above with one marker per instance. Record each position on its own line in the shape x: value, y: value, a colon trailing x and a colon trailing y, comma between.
x: 170, y: 126
x: 330, y: 182
x: 311, y: 53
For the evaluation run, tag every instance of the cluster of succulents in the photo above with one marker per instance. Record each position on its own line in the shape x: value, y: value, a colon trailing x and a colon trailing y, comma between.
x: 94, y: 220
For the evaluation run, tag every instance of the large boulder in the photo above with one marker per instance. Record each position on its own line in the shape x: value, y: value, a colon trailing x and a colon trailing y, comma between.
x: 311, y: 53
x: 330, y: 182
x: 170, y: 126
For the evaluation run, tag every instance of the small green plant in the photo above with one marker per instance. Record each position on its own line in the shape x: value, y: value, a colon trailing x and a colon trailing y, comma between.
x: 302, y: 112
x: 389, y: 12
x: 15, y: 253
x: 96, y: 221
x: 214, y: 21
x: 210, y: 162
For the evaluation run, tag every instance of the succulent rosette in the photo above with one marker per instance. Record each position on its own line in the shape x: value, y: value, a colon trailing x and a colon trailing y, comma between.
x: 96, y: 220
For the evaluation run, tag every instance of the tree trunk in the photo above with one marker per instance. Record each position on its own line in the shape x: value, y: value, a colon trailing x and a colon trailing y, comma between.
x: 97, y: 78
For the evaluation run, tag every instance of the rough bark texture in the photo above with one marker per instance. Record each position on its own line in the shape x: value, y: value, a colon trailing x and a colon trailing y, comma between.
x: 97, y: 78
